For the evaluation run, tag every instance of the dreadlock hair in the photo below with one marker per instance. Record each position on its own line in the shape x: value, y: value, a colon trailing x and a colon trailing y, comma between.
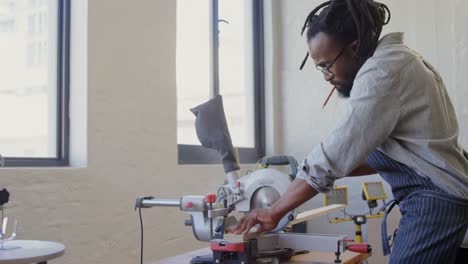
x: 347, y: 21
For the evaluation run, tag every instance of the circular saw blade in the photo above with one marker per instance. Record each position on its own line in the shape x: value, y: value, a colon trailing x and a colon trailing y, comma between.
x: 264, y: 197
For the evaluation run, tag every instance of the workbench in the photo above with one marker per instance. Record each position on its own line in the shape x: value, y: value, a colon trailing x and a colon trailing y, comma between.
x: 309, y: 258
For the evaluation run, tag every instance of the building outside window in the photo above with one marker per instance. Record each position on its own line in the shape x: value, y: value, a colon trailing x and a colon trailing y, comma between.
x: 220, y: 51
x: 34, y: 39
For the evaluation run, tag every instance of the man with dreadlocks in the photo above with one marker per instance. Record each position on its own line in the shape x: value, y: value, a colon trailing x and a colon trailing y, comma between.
x: 400, y: 124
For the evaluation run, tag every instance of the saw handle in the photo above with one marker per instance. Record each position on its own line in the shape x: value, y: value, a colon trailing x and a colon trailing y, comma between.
x: 279, y: 161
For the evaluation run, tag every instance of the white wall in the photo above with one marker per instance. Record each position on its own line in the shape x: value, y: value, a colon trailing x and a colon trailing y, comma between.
x: 434, y: 28
x: 131, y: 124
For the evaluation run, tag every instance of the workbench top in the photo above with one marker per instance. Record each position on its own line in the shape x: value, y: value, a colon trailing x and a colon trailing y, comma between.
x: 309, y: 258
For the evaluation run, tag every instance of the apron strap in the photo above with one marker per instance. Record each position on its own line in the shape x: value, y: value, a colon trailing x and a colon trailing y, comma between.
x: 388, y: 206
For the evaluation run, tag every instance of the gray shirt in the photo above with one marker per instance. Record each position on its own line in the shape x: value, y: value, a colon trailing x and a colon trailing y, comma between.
x: 400, y: 106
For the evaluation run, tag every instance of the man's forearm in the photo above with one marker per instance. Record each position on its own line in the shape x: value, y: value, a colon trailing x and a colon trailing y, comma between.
x: 299, y: 191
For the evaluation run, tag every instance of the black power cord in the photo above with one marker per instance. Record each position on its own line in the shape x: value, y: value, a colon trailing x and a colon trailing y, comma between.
x: 139, y: 203
x: 141, y: 242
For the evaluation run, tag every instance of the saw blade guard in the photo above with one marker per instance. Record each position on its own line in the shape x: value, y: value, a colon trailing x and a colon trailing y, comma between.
x: 261, y: 189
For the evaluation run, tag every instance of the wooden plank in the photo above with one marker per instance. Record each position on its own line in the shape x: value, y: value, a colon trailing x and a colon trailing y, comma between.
x: 240, y: 238
x: 301, y: 217
x: 307, y: 215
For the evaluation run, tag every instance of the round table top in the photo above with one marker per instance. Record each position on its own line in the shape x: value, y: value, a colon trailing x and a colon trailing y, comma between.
x: 30, y: 251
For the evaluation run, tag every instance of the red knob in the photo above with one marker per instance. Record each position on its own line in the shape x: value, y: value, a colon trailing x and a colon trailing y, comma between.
x: 210, y: 198
x: 189, y: 205
x: 359, y: 248
x: 238, y: 184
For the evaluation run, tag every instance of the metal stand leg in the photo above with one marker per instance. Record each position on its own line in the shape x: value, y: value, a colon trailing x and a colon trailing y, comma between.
x: 338, y: 253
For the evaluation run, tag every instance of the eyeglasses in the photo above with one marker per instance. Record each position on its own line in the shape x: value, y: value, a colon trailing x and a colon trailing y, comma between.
x: 326, y: 69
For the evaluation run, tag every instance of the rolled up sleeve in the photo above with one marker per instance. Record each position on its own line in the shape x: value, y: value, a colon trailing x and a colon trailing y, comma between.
x: 372, y: 115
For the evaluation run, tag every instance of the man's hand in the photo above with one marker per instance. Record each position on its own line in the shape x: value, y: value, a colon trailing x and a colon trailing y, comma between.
x: 267, y: 218
x: 261, y: 216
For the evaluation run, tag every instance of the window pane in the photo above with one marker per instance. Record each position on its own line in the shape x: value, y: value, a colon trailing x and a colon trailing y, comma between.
x: 236, y: 69
x: 193, y: 64
x: 28, y: 78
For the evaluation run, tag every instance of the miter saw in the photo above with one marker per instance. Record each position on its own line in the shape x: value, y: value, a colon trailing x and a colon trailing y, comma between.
x: 212, y: 215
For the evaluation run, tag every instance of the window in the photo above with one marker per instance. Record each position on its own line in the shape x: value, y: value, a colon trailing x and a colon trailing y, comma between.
x: 220, y: 51
x: 34, y: 89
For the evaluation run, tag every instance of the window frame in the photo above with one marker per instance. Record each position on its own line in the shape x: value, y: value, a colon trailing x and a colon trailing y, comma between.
x: 197, y: 154
x: 63, y: 98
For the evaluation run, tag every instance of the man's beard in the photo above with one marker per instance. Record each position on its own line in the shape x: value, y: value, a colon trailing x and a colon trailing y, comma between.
x: 344, y: 91
x: 344, y: 88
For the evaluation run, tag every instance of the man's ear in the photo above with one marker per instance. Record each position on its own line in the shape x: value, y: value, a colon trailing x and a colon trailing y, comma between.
x: 354, y: 46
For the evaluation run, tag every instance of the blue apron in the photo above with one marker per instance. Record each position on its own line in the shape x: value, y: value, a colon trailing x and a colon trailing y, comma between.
x: 433, y: 223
